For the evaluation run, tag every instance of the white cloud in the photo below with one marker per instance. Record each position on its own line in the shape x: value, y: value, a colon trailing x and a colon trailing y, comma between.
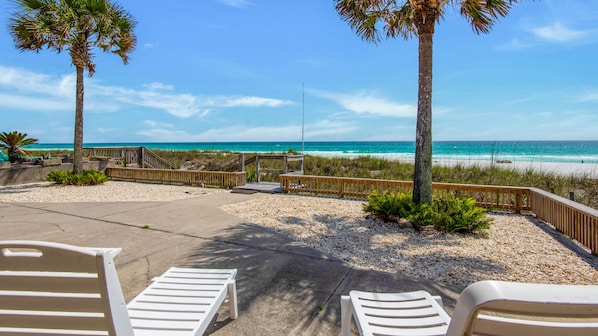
x: 183, y: 105
x: 588, y: 96
x: 326, y: 128
x: 369, y: 103
x: 158, y: 86
x: 104, y: 130
x: 236, y: 3
x: 559, y: 33
x: 28, y: 82
x: 33, y: 103
x: 155, y: 124
x: 26, y: 90
x: 163, y: 132
x: 233, y: 101
x: 514, y: 44
x: 179, y: 105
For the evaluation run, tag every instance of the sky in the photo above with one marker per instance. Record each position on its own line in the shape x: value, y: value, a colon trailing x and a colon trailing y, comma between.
x: 259, y: 70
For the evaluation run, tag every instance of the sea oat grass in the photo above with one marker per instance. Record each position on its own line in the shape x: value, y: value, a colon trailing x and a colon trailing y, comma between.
x: 584, y: 187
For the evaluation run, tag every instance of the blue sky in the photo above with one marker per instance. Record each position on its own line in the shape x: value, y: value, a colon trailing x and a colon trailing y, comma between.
x: 233, y: 70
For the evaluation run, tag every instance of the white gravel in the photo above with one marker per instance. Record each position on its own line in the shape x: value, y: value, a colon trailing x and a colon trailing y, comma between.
x: 111, y: 191
x: 517, y: 249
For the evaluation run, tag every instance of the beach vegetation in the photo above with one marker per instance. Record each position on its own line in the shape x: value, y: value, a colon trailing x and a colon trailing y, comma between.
x: 447, y: 213
x: 418, y: 18
x: 87, y: 177
x: 200, y: 160
x: 14, y: 143
x: 453, y: 214
x: 78, y: 27
x: 389, y: 205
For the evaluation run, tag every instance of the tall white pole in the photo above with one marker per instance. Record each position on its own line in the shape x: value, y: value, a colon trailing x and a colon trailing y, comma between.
x: 303, y: 119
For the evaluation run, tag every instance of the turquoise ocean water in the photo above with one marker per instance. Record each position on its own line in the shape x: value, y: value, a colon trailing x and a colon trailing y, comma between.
x: 524, y: 151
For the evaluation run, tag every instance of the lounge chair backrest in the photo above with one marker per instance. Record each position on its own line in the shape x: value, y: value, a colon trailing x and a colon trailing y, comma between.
x: 60, y: 289
x: 509, y: 308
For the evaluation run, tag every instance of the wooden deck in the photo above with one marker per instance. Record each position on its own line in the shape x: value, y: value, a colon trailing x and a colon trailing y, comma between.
x: 255, y: 187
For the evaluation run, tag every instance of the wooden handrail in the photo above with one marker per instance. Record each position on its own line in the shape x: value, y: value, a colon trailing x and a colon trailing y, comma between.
x: 153, y: 160
x: 140, y: 156
x: 170, y: 176
x: 576, y: 220
x: 514, y: 198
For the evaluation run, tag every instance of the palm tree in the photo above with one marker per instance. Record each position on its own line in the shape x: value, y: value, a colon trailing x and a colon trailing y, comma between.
x: 14, y: 142
x: 408, y: 18
x: 77, y: 26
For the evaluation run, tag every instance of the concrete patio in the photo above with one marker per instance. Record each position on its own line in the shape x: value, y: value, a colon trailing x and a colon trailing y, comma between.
x: 283, y: 286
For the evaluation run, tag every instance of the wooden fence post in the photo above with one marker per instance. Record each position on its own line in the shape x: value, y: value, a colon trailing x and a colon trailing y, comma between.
x: 257, y: 167
x: 518, y: 201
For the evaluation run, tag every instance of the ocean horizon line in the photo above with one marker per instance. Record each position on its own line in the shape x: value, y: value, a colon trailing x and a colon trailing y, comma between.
x: 570, y: 151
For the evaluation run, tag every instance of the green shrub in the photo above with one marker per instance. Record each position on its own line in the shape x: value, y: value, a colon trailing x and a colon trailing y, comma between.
x: 389, y: 205
x: 60, y: 176
x: 460, y: 215
x: 251, y: 175
x: 88, y: 177
x: 447, y: 213
x: 423, y: 215
x: 93, y: 177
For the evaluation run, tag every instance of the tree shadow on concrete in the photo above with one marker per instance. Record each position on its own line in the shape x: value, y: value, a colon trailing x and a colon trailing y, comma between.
x: 285, y: 287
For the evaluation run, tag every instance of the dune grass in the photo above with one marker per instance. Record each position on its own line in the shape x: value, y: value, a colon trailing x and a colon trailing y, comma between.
x: 585, y: 188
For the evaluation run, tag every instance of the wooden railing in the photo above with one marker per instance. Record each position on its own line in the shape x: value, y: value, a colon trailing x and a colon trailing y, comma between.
x: 153, y: 160
x: 571, y: 218
x: 189, y: 177
x: 139, y: 156
x: 513, y: 198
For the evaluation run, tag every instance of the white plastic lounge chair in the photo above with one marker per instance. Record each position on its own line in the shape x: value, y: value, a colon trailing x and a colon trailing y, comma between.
x: 484, y: 308
x: 56, y: 289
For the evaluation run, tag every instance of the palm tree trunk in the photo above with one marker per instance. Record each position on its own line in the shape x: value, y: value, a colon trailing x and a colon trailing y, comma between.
x: 13, y: 155
x: 422, y: 178
x: 78, y: 141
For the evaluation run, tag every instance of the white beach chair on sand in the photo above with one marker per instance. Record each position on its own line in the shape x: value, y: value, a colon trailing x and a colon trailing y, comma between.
x: 484, y: 308
x: 56, y: 289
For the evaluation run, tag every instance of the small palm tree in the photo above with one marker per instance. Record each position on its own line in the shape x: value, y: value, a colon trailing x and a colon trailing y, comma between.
x: 408, y: 18
x: 14, y: 142
x: 77, y: 26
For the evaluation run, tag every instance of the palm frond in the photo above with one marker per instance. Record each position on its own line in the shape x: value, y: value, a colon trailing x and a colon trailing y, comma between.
x: 368, y: 17
x: 15, y: 140
x: 482, y: 14
x: 76, y: 25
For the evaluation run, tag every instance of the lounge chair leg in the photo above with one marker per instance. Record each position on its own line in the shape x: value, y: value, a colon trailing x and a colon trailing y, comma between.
x: 346, y: 315
x: 232, y: 297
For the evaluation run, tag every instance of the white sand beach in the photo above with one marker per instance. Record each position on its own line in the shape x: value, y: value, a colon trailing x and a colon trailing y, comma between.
x: 589, y: 170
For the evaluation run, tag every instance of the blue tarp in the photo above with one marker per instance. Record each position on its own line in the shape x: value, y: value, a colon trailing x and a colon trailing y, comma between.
x: 3, y: 157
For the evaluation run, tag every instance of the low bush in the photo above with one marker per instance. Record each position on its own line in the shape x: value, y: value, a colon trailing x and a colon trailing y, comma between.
x: 422, y: 216
x: 389, y: 205
x: 60, y: 176
x: 87, y: 177
x: 461, y: 215
x: 93, y: 177
x: 447, y: 213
